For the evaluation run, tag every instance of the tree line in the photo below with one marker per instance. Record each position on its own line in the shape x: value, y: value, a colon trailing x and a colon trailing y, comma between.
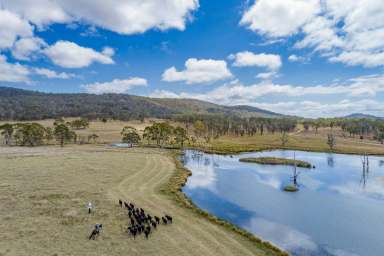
x: 352, y: 127
x: 158, y: 133
x: 215, y: 125
x: 193, y: 129
x: 205, y: 128
x: 34, y: 134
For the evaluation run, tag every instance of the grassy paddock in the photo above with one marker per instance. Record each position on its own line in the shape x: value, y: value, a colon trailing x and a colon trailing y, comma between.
x: 301, y: 141
x: 109, y: 132
x: 44, y: 190
x: 276, y: 161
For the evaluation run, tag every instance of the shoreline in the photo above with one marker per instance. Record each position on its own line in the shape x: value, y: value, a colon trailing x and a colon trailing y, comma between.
x: 250, y: 149
x: 174, y: 187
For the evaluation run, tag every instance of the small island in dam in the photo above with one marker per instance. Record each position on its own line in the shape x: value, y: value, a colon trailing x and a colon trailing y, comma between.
x: 291, y: 188
x: 276, y: 161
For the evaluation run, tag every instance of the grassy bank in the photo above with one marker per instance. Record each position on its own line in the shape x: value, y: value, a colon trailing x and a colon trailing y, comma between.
x: 173, y: 188
x: 303, y: 142
x: 276, y: 161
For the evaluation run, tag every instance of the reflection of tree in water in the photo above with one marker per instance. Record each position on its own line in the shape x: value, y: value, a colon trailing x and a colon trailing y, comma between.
x: 330, y: 161
x: 381, y: 163
x: 365, y: 171
x: 196, y: 156
x: 185, y: 159
x: 295, y: 173
x: 200, y: 158
x: 207, y: 161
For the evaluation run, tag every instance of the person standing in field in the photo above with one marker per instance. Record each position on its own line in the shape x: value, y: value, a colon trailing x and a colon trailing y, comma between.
x: 89, y: 206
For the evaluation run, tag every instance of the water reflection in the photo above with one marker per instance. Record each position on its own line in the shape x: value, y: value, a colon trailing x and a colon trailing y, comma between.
x: 324, y: 218
x: 283, y: 235
x: 330, y: 160
x: 204, y: 175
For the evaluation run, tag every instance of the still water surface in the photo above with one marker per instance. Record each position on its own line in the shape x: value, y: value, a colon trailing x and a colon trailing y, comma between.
x: 338, y: 211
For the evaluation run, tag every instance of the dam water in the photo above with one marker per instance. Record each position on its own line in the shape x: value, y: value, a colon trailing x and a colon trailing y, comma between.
x: 339, y: 209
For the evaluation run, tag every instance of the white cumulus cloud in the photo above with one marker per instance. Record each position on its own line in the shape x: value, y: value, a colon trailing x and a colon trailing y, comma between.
x: 164, y: 94
x: 122, y: 16
x: 295, y: 58
x: 235, y: 93
x: 320, y: 109
x: 10, y: 72
x: 52, y: 74
x: 115, y: 86
x: 28, y: 47
x: 39, y: 12
x: 70, y: 55
x: 350, y: 33
x: 199, y: 71
x: 267, y: 75
x: 278, y: 18
x: 12, y: 26
x: 250, y: 59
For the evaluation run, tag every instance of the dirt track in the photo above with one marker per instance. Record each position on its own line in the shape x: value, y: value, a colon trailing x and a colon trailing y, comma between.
x: 44, y: 190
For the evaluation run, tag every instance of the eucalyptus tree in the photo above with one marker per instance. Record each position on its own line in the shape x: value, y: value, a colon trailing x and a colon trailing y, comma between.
x: 29, y: 134
x: 306, y: 126
x: 159, y: 132
x: 180, y: 135
x: 64, y: 134
x: 380, y: 136
x: 130, y: 135
x: 58, y: 121
x: 93, y: 137
x: 77, y: 124
x: 199, y: 128
x: 148, y: 134
x: 7, y: 131
x: 166, y: 131
x: 48, y: 134
x: 284, y: 138
x: 331, y: 141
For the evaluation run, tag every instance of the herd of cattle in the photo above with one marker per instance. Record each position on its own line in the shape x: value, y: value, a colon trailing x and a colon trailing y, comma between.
x: 140, y: 222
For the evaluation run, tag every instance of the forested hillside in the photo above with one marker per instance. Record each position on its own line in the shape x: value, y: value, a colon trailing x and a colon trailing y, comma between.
x: 17, y: 104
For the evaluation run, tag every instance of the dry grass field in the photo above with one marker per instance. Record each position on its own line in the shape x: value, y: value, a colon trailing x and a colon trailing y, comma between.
x: 43, y: 192
x: 108, y: 132
x: 299, y: 140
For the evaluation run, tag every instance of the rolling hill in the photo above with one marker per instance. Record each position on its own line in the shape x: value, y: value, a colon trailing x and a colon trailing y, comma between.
x: 18, y: 104
x: 362, y: 116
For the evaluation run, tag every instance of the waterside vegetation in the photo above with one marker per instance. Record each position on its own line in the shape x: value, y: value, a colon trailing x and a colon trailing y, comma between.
x: 276, y: 161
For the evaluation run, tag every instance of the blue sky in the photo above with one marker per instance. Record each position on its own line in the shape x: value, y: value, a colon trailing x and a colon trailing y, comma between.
x: 302, y: 57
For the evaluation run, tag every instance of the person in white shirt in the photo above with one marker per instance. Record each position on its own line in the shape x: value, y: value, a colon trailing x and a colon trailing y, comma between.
x: 89, y: 206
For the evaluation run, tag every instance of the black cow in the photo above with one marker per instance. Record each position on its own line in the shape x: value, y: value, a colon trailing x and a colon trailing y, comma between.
x: 169, y: 218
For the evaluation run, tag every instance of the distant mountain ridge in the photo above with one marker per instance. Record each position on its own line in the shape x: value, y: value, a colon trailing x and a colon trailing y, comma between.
x: 19, y: 104
x: 361, y: 115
